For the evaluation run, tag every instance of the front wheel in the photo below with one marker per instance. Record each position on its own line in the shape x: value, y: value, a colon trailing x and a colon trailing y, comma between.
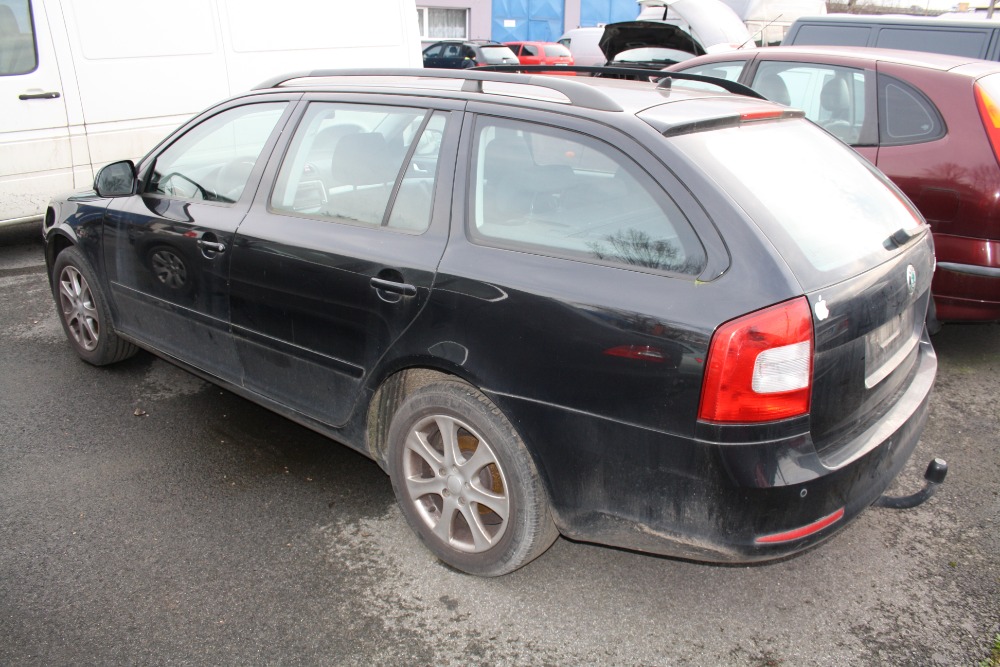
x: 466, y: 482
x: 84, y: 312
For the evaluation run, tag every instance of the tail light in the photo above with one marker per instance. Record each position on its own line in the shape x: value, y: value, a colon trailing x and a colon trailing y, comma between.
x: 989, y: 111
x: 760, y: 366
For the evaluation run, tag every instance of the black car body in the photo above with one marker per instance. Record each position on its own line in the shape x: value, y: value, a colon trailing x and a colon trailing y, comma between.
x: 457, y: 54
x: 583, y: 306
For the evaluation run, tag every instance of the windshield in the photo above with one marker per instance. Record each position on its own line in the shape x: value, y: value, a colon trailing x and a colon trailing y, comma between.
x: 827, y: 210
x: 651, y: 54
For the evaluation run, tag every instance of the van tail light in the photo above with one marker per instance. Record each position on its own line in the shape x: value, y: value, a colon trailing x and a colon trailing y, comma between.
x: 760, y: 366
x: 989, y: 111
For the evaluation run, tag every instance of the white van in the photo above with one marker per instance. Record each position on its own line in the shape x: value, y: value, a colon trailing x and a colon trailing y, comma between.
x: 87, y: 82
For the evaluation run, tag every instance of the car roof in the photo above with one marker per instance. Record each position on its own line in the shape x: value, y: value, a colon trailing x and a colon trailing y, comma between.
x: 938, y: 61
x: 900, y: 19
x: 573, y: 93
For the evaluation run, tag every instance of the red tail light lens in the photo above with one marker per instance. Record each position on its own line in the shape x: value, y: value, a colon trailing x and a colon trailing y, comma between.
x: 760, y: 366
x: 989, y: 111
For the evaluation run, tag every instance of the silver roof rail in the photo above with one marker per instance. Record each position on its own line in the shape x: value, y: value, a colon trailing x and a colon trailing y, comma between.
x: 579, y: 94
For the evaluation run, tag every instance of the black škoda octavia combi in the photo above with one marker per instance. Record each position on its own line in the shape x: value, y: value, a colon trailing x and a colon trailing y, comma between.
x: 679, y: 321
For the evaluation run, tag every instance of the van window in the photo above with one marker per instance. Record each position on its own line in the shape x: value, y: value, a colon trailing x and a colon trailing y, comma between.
x: 967, y: 43
x: 834, y: 35
x: 17, y: 38
x: 549, y: 191
x: 906, y: 116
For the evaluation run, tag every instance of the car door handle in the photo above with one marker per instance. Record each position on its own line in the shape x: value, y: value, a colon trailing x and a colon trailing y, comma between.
x: 38, y: 96
x: 212, y: 245
x: 391, y: 286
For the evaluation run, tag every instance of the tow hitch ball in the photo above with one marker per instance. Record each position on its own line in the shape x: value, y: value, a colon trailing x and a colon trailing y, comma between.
x: 936, y: 471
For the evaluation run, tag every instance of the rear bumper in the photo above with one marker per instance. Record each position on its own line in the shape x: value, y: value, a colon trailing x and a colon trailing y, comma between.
x: 687, y: 498
x: 967, y: 281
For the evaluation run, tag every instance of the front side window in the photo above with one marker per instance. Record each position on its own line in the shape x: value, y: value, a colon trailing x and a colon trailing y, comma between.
x: 17, y: 38
x: 540, y: 189
x: 730, y: 71
x: 213, y: 161
x: 346, y: 164
x: 832, y: 97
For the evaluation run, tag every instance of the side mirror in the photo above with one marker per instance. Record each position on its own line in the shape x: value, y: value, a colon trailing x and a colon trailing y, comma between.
x: 116, y: 179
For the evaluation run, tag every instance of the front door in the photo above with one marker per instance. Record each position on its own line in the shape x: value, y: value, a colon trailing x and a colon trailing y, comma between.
x: 330, y: 267
x: 167, y: 248
x: 35, y: 160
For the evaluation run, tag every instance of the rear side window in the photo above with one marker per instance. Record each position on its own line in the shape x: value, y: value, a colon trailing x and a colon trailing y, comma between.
x: 830, y: 220
x: 906, y: 115
x: 17, y: 38
x: 954, y: 42
x: 832, y: 35
x: 550, y: 191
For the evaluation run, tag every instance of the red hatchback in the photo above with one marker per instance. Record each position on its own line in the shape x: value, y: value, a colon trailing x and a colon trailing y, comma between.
x: 541, y: 53
x: 930, y: 122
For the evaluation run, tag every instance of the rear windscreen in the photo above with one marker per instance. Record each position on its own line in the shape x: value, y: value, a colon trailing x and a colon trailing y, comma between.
x: 495, y: 55
x: 828, y: 211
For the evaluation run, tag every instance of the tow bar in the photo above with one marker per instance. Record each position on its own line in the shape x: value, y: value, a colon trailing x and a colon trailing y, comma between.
x: 937, y: 469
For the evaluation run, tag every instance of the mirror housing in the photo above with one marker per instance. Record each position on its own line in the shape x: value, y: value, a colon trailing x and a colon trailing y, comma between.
x: 116, y: 179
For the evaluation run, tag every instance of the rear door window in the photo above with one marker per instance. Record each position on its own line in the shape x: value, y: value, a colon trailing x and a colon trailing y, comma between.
x: 906, y: 115
x: 346, y: 165
x: 554, y: 192
x: 832, y: 97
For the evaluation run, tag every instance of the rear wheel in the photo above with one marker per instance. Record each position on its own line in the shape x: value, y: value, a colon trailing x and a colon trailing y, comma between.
x: 465, y: 481
x: 84, y: 312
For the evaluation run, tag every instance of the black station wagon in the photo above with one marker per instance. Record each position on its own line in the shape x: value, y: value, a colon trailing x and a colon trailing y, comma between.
x: 684, y: 322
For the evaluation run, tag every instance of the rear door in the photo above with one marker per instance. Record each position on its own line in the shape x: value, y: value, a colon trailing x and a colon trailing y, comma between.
x: 333, y: 263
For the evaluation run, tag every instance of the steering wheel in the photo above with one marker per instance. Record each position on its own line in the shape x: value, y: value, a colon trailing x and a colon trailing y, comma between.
x: 170, y: 189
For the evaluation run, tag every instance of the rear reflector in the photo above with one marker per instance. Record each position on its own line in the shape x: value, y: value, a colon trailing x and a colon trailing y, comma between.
x: 799, y: 533
x: 760, y: 366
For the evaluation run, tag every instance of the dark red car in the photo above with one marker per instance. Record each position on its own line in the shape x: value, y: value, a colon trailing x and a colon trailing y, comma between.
x: 930, y: 122
x: 541, y: 53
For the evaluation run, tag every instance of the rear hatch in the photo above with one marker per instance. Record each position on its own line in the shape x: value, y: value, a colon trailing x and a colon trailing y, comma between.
x: 860, y: 251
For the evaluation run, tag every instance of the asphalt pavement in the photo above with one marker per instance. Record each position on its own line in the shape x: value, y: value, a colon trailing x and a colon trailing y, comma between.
x: 148, y: 517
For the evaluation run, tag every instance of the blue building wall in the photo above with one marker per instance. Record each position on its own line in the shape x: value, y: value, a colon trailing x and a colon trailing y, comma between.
x: 594, y: 12
x: 528, y: 20
x: 546, y: 20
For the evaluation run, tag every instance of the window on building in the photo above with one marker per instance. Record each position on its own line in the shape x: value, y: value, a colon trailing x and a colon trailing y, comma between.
x: 441, y: 23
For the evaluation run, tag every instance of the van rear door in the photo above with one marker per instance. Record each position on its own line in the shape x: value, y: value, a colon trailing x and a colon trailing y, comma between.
x: 36, y: 159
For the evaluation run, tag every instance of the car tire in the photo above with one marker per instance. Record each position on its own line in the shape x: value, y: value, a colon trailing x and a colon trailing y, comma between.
x: 84, y: 312
x: 465, y: 481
